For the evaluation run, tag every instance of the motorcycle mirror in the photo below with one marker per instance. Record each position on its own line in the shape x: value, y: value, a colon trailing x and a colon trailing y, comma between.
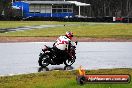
x: 76, y: 42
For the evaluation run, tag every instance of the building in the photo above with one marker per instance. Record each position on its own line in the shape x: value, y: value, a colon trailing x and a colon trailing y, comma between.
x: 54, y: 9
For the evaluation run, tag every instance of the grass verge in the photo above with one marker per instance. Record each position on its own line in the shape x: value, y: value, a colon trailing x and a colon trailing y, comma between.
x: 14, y: 24
x: 85, y: 29
x: 59, y: 79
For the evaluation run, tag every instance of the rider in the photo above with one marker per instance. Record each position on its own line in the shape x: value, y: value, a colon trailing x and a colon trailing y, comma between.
x: 63, y: 43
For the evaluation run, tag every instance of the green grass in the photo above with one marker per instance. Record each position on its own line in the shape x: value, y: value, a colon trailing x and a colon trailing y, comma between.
x: 59, y: 79
x: 80, y: 29
x: 14, y: 24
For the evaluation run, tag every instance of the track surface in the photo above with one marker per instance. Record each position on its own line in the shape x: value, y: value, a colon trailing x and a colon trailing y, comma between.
x: 22, y: 58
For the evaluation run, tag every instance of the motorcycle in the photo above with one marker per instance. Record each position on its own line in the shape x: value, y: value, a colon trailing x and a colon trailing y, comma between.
x: 53, y: 56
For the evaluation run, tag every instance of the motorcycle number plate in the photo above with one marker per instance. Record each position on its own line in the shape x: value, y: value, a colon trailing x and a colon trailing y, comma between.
x: 41, y: 53
x: 47, y: 51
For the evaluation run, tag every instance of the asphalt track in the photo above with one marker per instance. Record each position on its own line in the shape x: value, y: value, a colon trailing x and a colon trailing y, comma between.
x: 22, y: 58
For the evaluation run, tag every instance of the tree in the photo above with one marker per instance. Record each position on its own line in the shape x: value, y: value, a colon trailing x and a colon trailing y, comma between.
x: 6, y: 8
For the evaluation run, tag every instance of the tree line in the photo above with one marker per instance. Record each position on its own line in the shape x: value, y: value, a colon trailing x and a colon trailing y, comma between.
x: 104, y: 8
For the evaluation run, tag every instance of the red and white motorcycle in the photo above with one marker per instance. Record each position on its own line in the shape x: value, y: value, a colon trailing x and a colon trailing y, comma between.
x: 53, y: 56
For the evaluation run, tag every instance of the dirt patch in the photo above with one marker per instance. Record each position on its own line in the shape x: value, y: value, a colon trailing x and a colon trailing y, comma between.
x: 52, y: 39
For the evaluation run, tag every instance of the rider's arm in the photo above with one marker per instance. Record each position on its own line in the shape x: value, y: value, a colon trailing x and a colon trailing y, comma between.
x: 73, y: 43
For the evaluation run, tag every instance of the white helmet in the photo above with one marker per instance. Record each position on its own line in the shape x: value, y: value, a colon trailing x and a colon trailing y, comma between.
x: 69, y: 34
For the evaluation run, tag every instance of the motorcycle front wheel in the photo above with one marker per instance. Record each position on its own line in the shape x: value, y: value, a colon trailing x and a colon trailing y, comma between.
x: 69, y: 62
x: 43, y: 60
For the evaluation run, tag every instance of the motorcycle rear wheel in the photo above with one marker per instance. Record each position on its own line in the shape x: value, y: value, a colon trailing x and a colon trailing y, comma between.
x: 43, y: 60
